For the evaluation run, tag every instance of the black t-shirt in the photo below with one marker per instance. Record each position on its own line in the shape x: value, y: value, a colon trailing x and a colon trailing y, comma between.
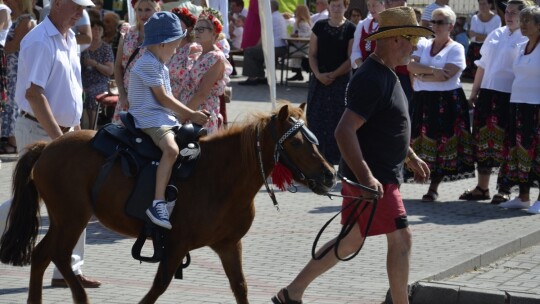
x: 375, y: 94
x: 332, y: 44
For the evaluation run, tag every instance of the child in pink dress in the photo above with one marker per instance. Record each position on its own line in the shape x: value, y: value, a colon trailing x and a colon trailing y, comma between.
x: 206, y: 80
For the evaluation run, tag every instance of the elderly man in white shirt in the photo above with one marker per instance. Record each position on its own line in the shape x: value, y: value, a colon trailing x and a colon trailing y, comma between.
x: 49, y: 96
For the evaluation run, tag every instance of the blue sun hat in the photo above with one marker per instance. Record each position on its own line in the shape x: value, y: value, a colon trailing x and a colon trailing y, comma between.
x: 162, y: 27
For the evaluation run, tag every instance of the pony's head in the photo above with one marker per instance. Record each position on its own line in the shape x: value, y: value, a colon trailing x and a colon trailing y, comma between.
x: 296, y: 149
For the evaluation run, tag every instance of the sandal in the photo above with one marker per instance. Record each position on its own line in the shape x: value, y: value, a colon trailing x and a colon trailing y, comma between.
x: 277, y: 300
x: 500, y: 198
x: 430, y: 196
x: 469, y: 195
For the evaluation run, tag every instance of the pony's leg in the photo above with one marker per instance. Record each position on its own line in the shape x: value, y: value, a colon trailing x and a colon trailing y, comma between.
x: 40, y: 261
x: 161, y: 281
x: 64, y: 242
x: 231, y: 258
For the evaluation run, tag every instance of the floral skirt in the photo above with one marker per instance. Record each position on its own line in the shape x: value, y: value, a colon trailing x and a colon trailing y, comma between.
x: 325, y: 106
x: 521, y: 165
x: 489, y: 127
x: 441, y: 135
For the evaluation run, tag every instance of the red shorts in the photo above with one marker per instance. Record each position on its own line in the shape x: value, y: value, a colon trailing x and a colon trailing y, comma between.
x: 390, y: 214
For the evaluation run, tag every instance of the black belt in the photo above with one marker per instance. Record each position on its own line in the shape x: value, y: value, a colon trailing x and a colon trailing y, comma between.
x: 32, y: 118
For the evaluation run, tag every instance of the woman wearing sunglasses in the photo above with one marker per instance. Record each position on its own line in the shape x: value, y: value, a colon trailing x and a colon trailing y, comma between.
x: 490, y: 97
x: 129, y: 51
x: 440, y: 132
x: 207, y: 78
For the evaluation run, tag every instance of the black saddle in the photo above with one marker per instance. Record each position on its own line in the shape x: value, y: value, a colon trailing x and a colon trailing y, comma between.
x: 139, y: 158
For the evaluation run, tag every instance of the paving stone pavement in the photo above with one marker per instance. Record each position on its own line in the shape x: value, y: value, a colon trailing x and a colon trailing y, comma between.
x: 450, y: 238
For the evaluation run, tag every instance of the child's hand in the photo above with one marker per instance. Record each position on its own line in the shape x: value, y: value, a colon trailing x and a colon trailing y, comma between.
x: 199, y: 117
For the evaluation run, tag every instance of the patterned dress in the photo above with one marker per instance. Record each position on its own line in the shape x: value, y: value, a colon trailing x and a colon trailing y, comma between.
x: 131, y: 37
x: 440, y: 132
x: 94, y: 82
x: 521, y: 165
x: 193, y: 80
x: 180, y: 65
x: 326, y: 103
x: 9, y: 114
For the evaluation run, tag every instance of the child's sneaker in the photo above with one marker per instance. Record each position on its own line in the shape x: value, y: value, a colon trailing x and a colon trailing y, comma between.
x: 158, y: 214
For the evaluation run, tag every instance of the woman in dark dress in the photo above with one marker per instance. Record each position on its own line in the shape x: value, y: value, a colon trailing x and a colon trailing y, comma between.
x: 329, y: 52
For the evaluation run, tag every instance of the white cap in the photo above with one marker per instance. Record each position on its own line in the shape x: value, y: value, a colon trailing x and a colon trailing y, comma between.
x: 85, y: 3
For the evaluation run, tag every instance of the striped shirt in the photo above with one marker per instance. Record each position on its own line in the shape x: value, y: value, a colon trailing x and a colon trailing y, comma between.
x: 148, y: 112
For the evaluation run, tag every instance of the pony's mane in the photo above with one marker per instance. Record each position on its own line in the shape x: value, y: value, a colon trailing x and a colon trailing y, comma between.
x: 247, y: 129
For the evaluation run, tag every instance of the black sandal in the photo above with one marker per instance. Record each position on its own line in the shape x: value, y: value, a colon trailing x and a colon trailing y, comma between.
x: 500, y: 198
x: 469, y: 195
x: 430, y: 196
x: 276, y: 300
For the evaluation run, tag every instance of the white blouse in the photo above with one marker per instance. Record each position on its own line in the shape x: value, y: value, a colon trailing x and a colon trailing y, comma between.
x: 453, y: 53
x: 498, y: 54
x: 526, y: 88
x: 484, y: 28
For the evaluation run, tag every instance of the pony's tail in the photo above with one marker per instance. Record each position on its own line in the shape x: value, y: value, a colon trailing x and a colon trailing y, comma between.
x: 19, y: 239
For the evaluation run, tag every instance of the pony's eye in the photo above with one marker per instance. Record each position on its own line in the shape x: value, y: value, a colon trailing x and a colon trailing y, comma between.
x: 295, y: 142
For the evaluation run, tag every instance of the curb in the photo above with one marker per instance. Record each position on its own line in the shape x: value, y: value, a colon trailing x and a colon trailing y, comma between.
x: 426, y: 292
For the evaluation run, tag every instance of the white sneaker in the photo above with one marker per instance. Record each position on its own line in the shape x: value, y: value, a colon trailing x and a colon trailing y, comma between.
x: 515, y: 203
x: 535, y: 208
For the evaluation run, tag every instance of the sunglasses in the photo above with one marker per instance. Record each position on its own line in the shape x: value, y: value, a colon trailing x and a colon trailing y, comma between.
x: 438, y: 22
x: 412, y: 39
x: 201, y: 29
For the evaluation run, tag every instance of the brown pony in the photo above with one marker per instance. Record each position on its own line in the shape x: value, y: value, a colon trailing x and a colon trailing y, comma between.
x: 215, y: 205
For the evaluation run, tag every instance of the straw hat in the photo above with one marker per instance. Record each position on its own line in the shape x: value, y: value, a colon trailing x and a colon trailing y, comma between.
x: 399, y: 21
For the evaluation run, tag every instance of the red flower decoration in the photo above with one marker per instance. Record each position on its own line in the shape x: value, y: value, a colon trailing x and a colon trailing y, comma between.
x: 185, y: 16
x: 214, y: 17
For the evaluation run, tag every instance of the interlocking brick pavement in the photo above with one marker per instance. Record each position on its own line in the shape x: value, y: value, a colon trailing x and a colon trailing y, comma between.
x: 449, y: 238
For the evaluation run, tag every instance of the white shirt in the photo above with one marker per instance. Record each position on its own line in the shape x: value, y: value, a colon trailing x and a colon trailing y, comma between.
x: 84, y: 20
x: 453, y: 53
x: 526, y: 88
x: 279, y: 27
x: 319, y: 16
x: 237, y: 40
x: 499, y: 51
x: 356, y: 53
x: 4, y: 32
x: 484, y: 28
x: 51, y: 62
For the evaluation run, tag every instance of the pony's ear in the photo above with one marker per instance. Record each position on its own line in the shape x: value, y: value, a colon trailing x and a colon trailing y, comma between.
x: 283, y: 113
x: 303, y: 106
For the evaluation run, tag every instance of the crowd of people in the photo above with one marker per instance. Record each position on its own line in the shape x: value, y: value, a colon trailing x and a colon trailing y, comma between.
x: 49, y: 92
x: 385, y: 97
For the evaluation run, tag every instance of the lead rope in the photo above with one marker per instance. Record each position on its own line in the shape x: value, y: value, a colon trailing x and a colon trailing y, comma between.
x: 349, y: 222
x: 269, y: 189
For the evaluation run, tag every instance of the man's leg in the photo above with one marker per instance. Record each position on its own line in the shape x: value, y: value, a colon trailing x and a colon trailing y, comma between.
x: 253, y: 63
x: 77, y: 257
x: 397, y: 264
x: 26, y: 133
x: 315, y: 268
